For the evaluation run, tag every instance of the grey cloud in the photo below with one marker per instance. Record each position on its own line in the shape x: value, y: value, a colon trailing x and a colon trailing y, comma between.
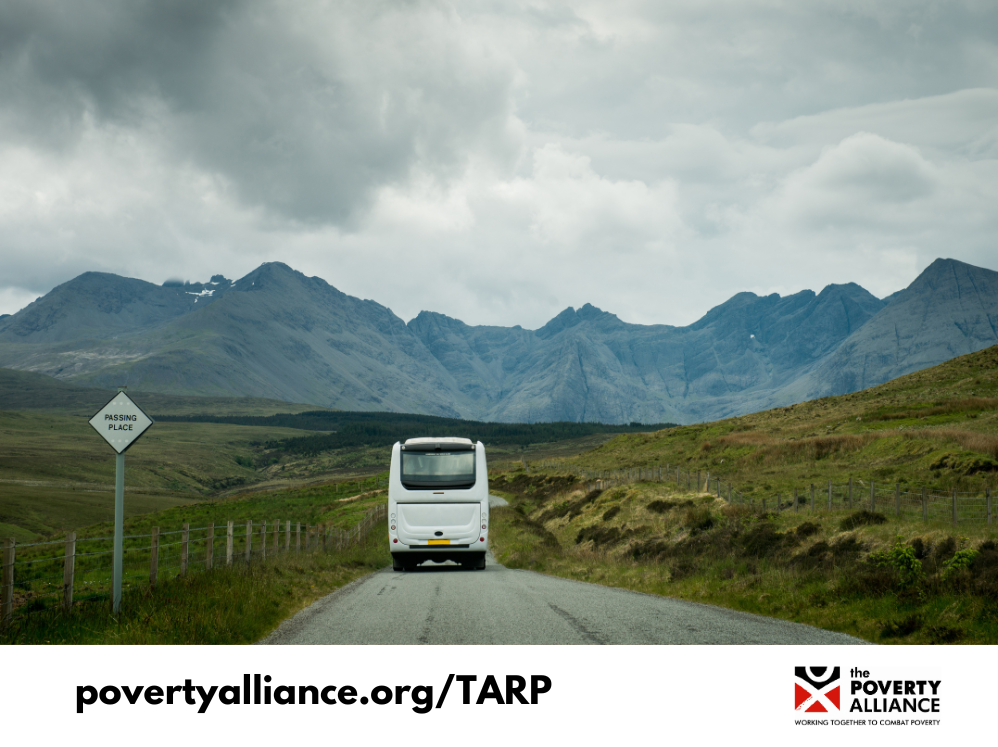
x: 640, y: 66
x: 870, y: 168
x: 304, y: 108
x: 964, y: 122
x: 650, y: 158
x: 62, y: 61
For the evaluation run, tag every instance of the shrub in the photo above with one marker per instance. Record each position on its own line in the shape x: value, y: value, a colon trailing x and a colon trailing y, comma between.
x: 610, y: 513
x: 901, y: 559
x: 870, y: 581
x: 920, y: 548
x: 571, y: 509
x: 807, y: 529
x: 602, y: 536
x: 663, y: 507
x: 861, y: 518
x: 813, y: 557
x: 945, y: 550
x: 764, y: 540
x: 699, y: 519
x: 901, y: 628
x: 961, y: 559
x: 845, y: 547
x: 651, y: 548
x: 944, y: 634
x: 526, y: 524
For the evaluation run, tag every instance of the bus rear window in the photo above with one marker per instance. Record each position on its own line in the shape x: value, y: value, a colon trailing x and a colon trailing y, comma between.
x: 438, y: 469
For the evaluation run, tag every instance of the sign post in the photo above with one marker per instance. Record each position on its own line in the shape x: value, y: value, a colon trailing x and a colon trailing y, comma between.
x: 120, y: 422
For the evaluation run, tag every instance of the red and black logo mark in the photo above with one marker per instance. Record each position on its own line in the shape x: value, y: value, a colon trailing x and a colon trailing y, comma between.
x: 816, y: 689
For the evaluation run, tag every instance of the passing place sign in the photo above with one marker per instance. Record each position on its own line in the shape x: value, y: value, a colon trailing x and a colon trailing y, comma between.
x: 120, y: 422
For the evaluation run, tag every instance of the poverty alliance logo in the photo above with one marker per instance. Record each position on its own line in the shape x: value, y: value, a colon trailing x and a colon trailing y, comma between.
x: 816, y: 689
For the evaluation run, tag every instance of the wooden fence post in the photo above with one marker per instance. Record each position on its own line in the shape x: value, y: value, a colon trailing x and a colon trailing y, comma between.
x: 229, y: 527
x: 249, y: 540
x: 153, y: 557
x: 897, y: 499
x: 925, y: 505
x: 954, y: 506
x: 209, y: 555
x: 297, y: 536
x: 277, y: 538
x: 68, y: 569
x: 7, y: 606
x: 263, y: 540
x: 287, y: 536
x: 185, y: 536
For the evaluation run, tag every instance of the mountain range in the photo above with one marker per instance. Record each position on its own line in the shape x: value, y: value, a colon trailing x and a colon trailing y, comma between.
x: 279, y: 334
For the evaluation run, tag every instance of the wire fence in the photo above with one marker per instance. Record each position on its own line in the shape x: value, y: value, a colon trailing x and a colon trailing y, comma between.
x: 76, y: 571
x: 892, y: 499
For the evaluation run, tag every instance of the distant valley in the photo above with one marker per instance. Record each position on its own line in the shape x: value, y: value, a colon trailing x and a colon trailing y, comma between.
x: 278, y: 334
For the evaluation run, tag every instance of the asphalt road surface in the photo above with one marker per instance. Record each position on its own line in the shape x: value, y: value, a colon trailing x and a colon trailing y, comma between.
x: 443, y: 604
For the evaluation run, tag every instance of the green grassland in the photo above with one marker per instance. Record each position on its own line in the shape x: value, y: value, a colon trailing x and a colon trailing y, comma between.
x: 240, y: 604
x: 328, y: 505
x: 57, y: 474
x: 41, y: 511
x: 936, y: 428
x: 228, y: 605
x: 854, y: 572
x: 361, y: 460
x: 331, y: 505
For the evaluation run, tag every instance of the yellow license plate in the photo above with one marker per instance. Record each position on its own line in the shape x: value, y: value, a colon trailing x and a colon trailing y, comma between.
x: 439, y: 542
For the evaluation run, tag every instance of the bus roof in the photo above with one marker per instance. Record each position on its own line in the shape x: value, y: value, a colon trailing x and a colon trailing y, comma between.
x: 440, y: 440
x: 445, y: 443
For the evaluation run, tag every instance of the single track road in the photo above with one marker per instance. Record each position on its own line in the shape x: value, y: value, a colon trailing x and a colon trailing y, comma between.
x: 444, y: 604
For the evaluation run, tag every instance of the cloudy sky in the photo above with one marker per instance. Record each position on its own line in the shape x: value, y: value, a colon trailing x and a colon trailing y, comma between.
x: 498, y: 160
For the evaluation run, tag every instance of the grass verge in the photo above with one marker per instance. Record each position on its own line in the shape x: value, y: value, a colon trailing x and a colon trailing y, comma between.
x: 857, y: 573
x: 228, y: 605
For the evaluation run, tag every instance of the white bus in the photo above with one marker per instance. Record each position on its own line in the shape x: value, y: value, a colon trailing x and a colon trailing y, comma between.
x: 438, y: 502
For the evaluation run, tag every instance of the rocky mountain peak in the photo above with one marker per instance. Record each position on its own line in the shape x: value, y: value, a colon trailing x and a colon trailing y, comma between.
x: 278, y: 333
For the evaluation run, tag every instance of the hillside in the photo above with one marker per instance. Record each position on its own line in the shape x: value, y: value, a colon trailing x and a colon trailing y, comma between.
x: 278, y: 334
x: 936, y: 428
x: 27, y: 391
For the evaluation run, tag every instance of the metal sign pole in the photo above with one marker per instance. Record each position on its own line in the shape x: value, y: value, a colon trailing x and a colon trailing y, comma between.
x: 119, y: 526
x: 120, y: 422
